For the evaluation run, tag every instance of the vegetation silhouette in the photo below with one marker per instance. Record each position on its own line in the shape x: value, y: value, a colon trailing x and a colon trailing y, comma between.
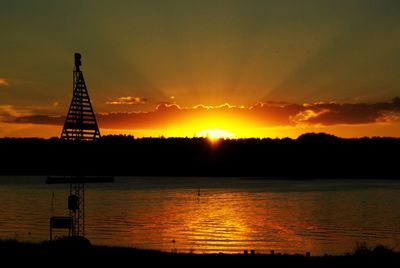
x: 56, y: 254
x: 312, y: 155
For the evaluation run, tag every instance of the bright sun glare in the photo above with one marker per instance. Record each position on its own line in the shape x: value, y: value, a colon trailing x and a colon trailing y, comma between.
x: 215, y: 134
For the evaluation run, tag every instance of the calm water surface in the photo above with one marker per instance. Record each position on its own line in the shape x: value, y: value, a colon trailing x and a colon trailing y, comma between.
x: 230, y: 215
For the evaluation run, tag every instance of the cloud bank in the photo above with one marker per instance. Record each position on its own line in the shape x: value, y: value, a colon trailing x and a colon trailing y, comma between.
x: 263, y: 114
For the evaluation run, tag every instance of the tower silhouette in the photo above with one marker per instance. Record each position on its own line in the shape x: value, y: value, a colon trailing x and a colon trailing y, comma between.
x: 80, y: 123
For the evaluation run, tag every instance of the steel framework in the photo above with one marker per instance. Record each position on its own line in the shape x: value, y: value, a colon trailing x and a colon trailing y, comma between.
x: 77, y: 210
x: 76, y: 201
x: 80, y: 123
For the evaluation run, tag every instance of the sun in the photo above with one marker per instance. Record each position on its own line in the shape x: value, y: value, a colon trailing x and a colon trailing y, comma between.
x: 215, y: 134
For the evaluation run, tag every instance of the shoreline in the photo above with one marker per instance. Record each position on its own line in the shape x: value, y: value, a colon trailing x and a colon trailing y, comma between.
x: 69, y: 250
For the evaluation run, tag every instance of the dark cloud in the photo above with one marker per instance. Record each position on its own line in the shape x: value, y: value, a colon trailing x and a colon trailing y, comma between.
x: 262, y: 114
x: 357, y: 113
x: 39, y: 119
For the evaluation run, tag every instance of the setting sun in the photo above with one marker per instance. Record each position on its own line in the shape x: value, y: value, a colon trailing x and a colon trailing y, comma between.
x: 215, y: 134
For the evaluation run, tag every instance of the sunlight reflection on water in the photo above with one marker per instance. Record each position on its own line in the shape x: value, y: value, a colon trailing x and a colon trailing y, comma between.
x: 230, y: 214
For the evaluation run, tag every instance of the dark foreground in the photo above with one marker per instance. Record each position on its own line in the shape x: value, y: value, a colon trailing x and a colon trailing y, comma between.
x: 67, y: 253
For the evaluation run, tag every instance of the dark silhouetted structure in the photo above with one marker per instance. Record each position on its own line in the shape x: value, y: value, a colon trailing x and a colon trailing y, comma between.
x: 61, y: 223
x: 76, y: 203
x: 80, y: 123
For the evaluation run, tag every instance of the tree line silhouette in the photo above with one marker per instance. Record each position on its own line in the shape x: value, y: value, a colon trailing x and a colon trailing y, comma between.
x: 312, y: 155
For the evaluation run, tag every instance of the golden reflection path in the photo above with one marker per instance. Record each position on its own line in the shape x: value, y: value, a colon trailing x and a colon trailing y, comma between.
x: 215, y: 214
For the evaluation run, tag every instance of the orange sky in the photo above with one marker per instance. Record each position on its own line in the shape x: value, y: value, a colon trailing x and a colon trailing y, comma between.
x: 260, y: 120
x: 179, y: 68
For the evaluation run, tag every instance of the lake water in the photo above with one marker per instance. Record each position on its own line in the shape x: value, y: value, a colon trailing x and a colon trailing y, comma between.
x: 230, y: 215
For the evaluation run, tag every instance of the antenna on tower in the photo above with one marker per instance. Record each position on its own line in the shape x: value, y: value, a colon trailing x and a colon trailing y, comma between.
x: 80, y: 123
x: 78, y: 61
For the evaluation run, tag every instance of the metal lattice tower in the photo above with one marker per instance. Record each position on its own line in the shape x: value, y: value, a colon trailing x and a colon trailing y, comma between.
x: 80, y: 123
x: 76, y: 206
x: 75, y: 222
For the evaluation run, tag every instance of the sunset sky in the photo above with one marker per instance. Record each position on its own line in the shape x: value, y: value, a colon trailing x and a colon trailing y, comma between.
x: 181, y: 68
